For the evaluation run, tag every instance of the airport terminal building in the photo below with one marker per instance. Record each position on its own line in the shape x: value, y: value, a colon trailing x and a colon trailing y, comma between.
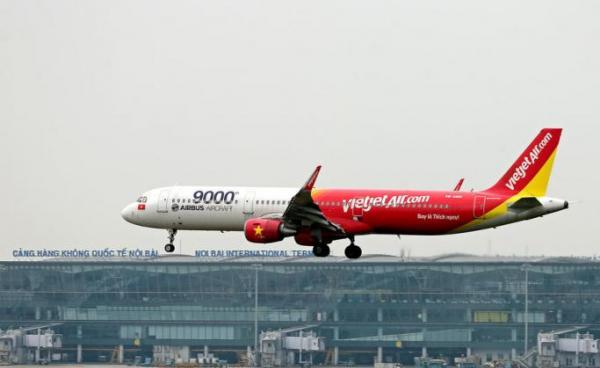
x: 377, y: 308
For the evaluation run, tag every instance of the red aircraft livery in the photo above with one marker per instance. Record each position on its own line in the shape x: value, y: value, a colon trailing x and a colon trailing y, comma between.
x: 317, y: 217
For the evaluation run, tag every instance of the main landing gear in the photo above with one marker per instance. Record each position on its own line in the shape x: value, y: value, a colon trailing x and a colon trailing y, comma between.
x: 169, y: 247
x: 352, y: 251
x: 321, y: 250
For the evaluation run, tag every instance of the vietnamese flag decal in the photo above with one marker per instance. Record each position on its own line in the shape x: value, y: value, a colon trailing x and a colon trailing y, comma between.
x: 141, y: 206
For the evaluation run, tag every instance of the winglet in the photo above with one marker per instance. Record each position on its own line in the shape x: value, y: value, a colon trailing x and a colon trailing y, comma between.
x: 459, y: 184
x: 313, y: 178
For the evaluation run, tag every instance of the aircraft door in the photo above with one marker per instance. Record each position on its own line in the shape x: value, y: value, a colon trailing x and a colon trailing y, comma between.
x: 479, y: 206
x: 163, y: 201
x: 357, y: 213
x: 249, y: 203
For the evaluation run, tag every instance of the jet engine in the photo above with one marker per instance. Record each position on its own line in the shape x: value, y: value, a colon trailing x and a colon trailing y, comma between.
x: 265, y: 230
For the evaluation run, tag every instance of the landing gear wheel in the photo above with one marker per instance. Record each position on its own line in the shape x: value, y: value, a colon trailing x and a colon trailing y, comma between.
x: 352, y: 251
x: 169, y: 247
x: 321, y: 250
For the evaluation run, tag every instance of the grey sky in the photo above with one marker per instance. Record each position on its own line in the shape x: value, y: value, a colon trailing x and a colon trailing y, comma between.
x: 102, y: 100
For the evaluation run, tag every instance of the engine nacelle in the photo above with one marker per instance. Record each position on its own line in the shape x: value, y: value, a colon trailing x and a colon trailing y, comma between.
x: 264, y: 230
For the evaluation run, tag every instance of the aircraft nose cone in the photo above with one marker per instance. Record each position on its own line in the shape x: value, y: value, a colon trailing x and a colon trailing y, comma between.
x: 128, y: 212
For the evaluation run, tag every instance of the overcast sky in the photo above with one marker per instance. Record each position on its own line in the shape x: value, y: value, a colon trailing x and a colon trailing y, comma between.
x: 100, y: 101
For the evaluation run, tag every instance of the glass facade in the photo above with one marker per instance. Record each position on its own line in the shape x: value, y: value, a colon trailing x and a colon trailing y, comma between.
x: 383, y: 306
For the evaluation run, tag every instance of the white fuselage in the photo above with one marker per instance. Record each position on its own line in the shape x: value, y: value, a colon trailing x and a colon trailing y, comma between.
x: 206, y: 208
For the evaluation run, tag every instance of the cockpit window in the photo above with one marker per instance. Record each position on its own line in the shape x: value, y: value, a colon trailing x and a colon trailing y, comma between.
x: 142, y: 199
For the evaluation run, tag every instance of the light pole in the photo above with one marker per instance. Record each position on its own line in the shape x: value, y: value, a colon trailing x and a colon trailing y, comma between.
x: 256, y: 266
x: 525, y: 268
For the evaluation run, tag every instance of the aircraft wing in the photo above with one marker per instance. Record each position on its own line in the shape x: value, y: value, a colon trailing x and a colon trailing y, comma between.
x: 303, y: 212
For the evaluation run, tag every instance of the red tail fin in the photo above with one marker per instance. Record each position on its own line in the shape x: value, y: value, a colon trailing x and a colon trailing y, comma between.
x: 530, y: 173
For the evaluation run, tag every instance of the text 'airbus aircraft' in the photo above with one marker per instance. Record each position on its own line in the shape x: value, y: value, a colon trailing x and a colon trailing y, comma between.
x: 316, y: 217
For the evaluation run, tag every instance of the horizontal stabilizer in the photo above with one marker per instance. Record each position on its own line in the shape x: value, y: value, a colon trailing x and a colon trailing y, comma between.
x: 525, y: 203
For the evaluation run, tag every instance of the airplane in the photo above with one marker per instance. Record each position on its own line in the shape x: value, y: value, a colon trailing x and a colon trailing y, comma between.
x: 316, y: 217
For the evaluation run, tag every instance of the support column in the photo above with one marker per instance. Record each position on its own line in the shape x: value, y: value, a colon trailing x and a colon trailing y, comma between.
x: 424, y: 348
x: 121, y: 354
x: 468, y: 351
x: 424, y: 314
x: 379, y: 315
x: 37, y: 350
x: 336, y: 336
x: 206, y: 350
x: 513, y: 334
x: 513, y: 353
x: 379, y: 348
x: 250, y: 356
x: 468, y: 315
x: 336, y: 355
x: 38, y: 313
x: 79, y: 336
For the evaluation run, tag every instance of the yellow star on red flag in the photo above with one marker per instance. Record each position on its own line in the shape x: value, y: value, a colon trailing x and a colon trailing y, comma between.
x: 258, y: 231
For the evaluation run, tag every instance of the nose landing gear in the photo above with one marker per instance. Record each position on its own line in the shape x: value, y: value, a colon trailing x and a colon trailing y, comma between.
x: 169, y: 247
